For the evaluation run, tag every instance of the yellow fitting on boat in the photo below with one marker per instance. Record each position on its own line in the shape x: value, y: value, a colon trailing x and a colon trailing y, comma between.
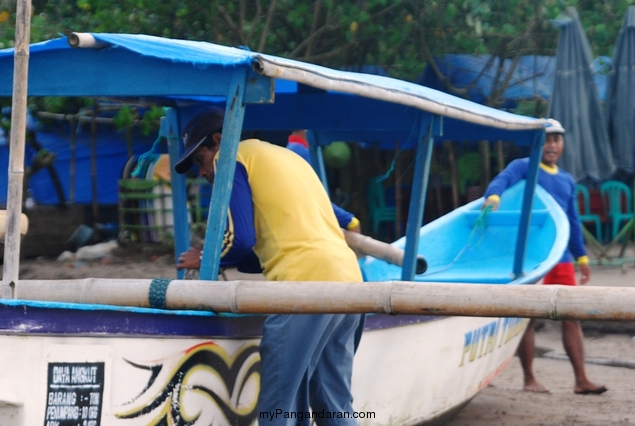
x: 24, y: 224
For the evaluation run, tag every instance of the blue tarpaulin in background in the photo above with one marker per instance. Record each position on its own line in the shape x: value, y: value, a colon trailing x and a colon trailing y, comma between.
x: 112, y: 156
x: 532, y: 77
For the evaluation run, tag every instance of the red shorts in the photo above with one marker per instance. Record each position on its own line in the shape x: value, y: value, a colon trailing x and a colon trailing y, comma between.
x: 562, y: 273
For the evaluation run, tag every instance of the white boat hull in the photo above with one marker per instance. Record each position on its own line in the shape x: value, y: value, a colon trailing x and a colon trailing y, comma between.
x: 417, y: 373
x: 407, y: 374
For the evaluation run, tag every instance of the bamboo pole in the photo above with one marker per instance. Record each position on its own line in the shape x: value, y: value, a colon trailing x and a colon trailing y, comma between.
x: 24, y: 225
x: 84, y: 40
x: 388, y: 297
x: 368, y: 246
x: 11, y: 264
x: 77, y: 118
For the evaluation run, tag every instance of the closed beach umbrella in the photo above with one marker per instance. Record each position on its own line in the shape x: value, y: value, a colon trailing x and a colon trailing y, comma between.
x: 620, y: 96
x: 576, y: 104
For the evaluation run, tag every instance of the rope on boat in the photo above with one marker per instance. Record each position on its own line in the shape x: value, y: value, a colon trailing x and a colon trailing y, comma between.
x: 479, y: 226
x: 147, y: 158
x: 393, y: 163
x: 157, y: 291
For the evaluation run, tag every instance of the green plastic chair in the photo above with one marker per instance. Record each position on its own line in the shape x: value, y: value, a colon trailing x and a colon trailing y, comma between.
x: 378, y: 211
x: 614, y: 193
x: 585, y: 215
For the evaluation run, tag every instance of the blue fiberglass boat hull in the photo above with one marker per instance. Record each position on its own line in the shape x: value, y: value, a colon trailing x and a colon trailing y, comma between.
x: 472, y: 246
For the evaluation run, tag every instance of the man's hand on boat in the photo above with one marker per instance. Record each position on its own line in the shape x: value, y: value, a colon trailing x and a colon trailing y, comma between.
x: 492, y: 201
x: 190, y: 259
x: 357, y: 229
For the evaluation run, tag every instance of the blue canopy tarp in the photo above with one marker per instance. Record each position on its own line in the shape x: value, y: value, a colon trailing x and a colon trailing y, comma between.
x: 125, y: 65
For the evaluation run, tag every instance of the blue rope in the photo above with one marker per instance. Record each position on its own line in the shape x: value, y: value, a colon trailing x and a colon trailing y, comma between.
x: 385, y: 176
x: 479, y: 225
x: 158, y: 290
x: 147, y: 158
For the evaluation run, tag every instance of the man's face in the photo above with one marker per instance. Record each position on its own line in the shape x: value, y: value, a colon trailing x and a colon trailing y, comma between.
x: 203, y: 158
x: 552, y: 150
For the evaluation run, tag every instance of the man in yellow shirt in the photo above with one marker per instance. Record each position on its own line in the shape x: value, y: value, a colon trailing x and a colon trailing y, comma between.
x: 280, y: 209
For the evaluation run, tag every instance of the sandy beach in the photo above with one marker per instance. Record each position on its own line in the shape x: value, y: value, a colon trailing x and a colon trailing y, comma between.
x: 610, y: 351
x: 610, y: 355
x: 504, y: 402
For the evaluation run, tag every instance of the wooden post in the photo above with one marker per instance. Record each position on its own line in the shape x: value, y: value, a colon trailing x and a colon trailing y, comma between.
x: 486, y: 175
x: 93, y: 168
x: 454, y: 177
x: 397, y: 192
x: 11, y: 265
x: 500, y: 156
x: 129, y: 144
x: 72, y: 166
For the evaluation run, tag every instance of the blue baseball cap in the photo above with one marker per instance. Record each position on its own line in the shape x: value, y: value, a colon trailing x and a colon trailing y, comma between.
x: 201, y: 126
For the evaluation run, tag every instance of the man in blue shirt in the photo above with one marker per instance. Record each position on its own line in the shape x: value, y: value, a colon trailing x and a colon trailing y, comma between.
x: 561, y: 186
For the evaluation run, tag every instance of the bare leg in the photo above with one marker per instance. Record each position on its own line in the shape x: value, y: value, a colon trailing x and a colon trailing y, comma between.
x: 526, y: 354
x: 572, y: 341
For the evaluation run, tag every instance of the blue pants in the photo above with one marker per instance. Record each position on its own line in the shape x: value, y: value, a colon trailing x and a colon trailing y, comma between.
x: 307, y: 361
